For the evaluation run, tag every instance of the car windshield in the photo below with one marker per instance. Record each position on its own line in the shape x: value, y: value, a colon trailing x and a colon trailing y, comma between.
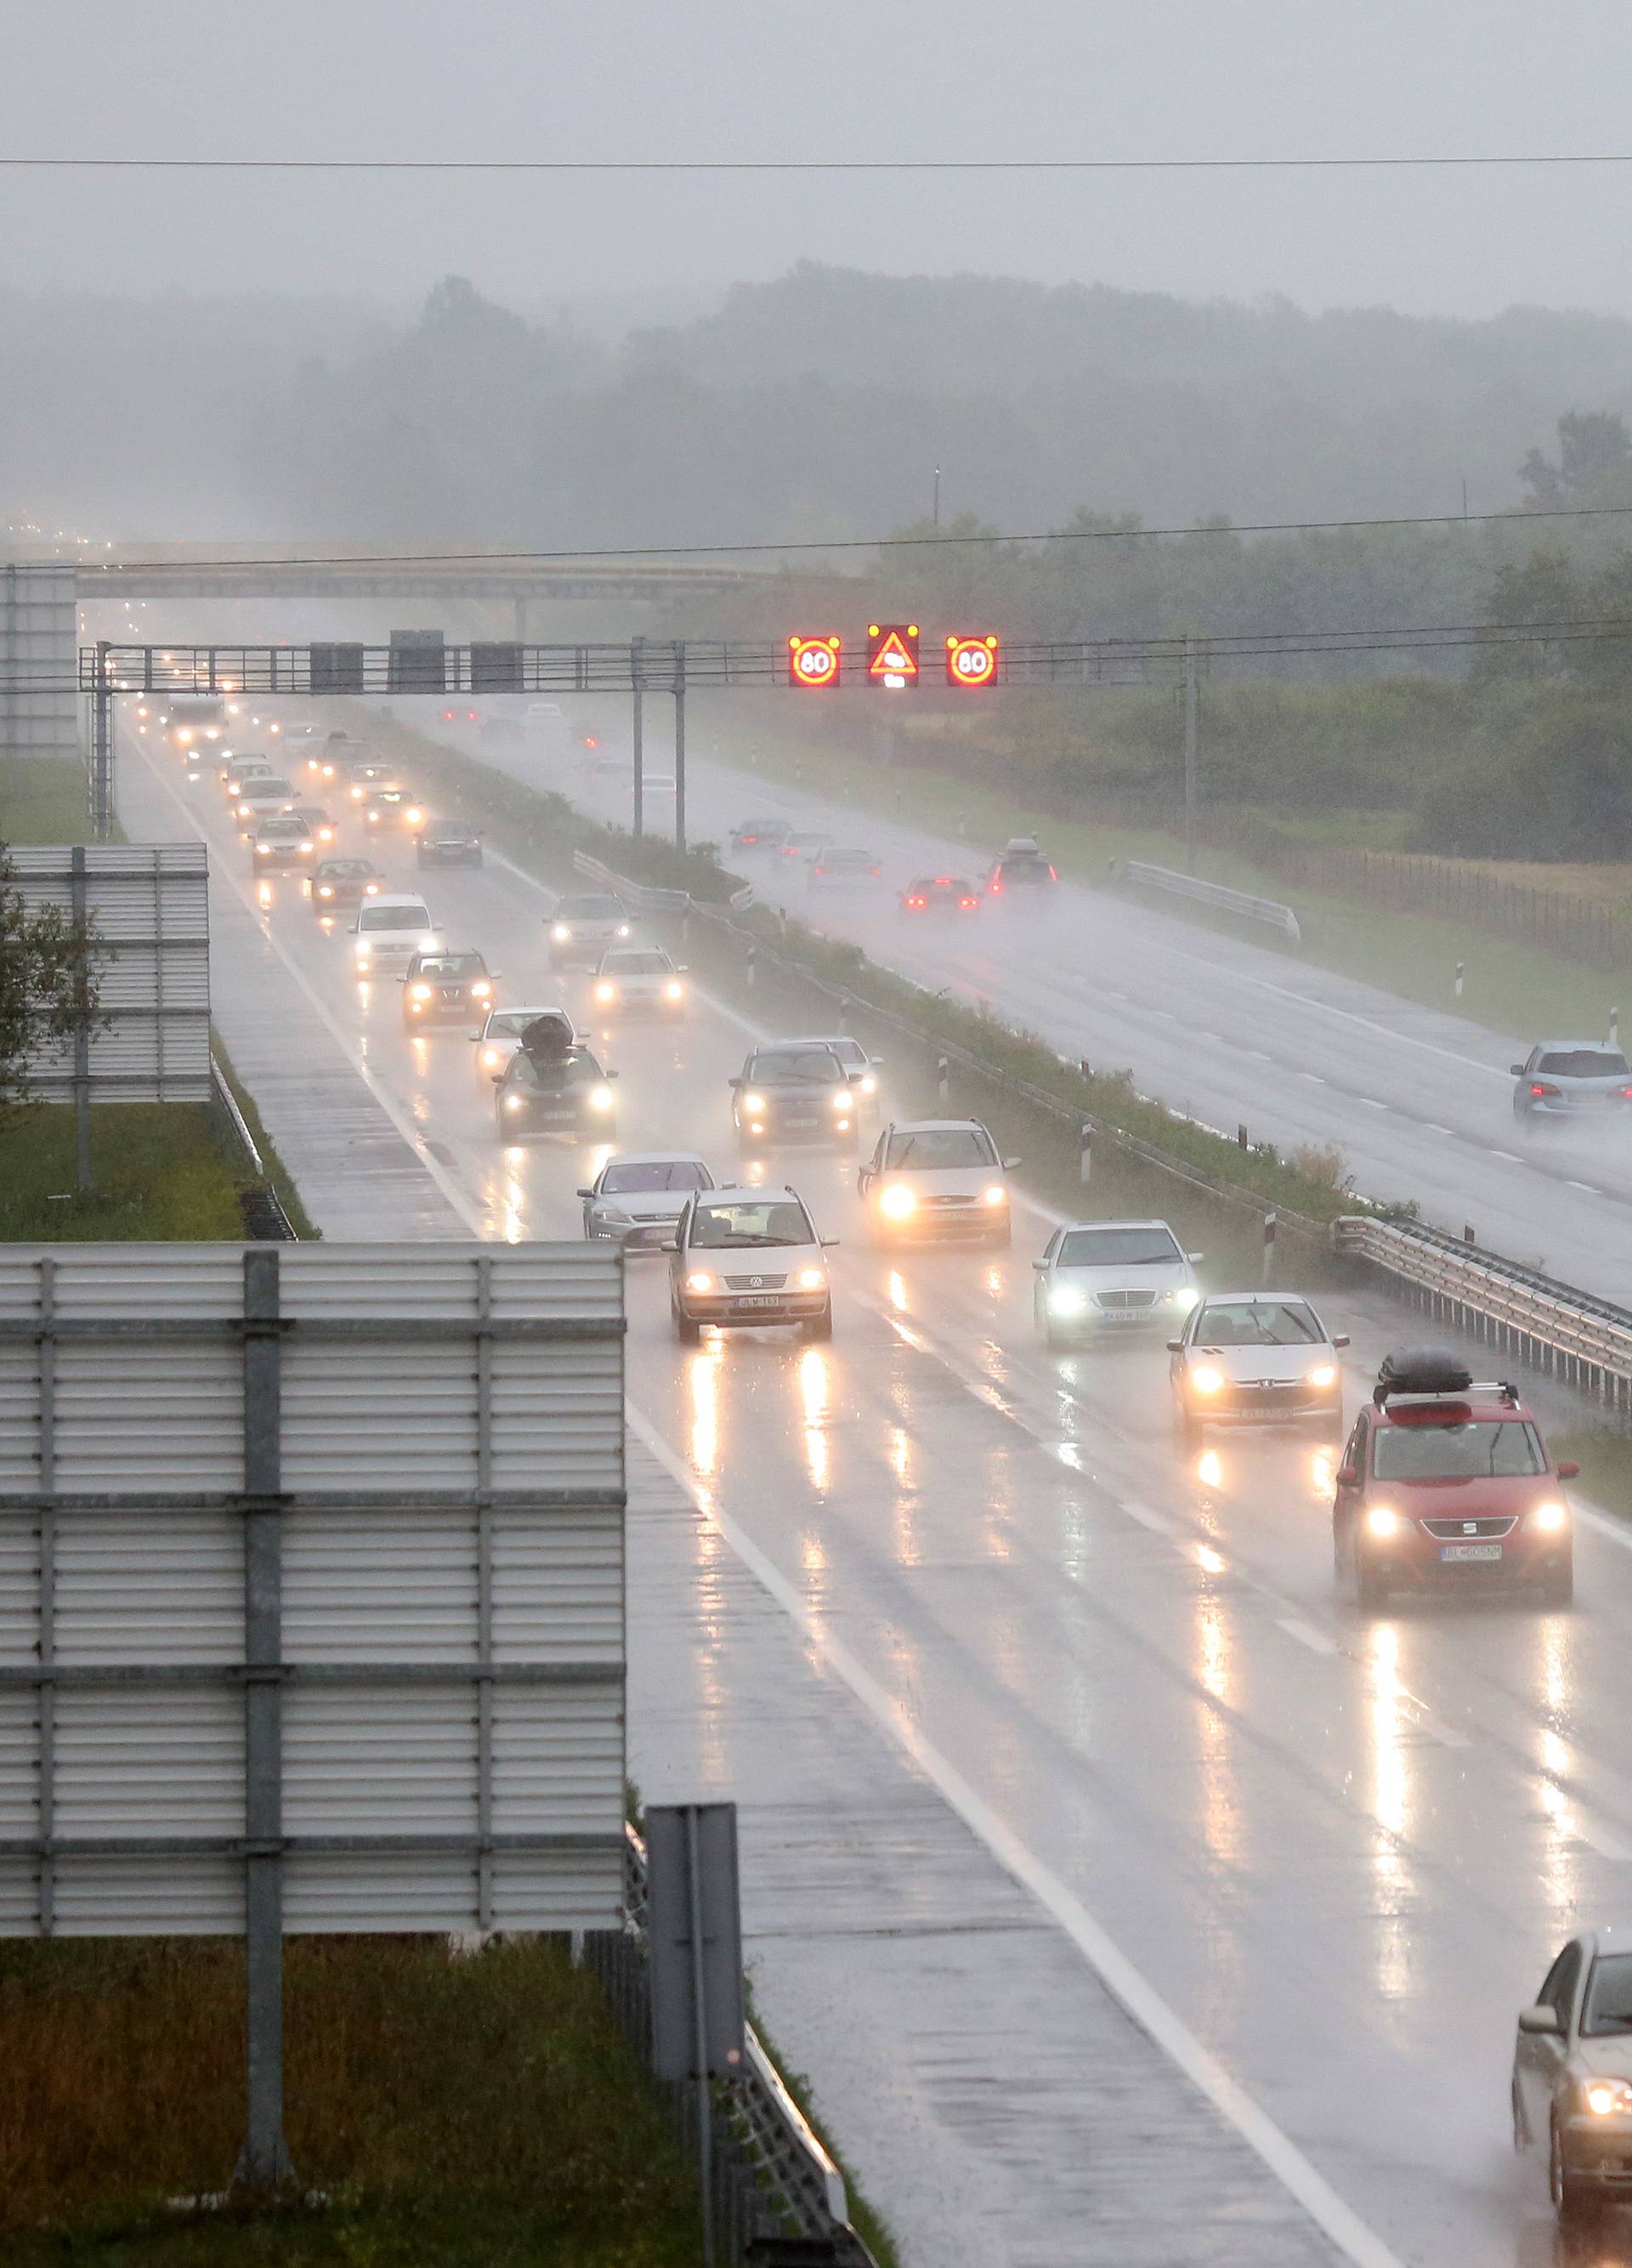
x: 956, y: 882
x: 1117, y: 1247
x: 589, y: 909
x: 345, y: 870
x: 444, y: 831
x: 1462, y: 1449
x: 1584, y: 1062
x: 848, y: 857
x: 510, y: 1023
x: 1607, y: 2009
x: 284, y: 830
x: 849, y: 1052
x: 269, y: 784
x: 1257, y: 1322
x: 637, y: 964
x: 655, y: 1173
x: 941, y: 1148
x: 795, y: 1067
x: 766, y: 1220
x: 410, y: 916
x: 760, y: 827
x: 452, y: 964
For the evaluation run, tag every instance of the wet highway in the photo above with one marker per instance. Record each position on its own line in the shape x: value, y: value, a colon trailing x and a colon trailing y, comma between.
x: 1230, y: 1031
x: 1336, y: 1854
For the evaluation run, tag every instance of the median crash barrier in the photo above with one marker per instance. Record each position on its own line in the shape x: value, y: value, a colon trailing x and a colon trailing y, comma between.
x: 770, y: 2174
x: 265, y: 1220
x: 645, y: 897
x: 1269, y: 913
x: 1583, y: 1341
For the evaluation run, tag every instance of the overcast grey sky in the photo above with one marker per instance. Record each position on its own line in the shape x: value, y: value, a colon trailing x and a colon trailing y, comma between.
x: 745, y: 78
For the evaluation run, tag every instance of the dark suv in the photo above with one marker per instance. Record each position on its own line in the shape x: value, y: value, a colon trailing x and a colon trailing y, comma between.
x: 794, y: 1092
x: 448, y: 843
x: 447, y: 988
x: 1021, y: 867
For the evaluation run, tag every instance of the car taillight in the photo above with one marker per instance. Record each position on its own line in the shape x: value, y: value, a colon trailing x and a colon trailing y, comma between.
x: 1537, y: 1087
x: 917, y: 902
x: 1053, y: 877
x: 997, y: 885
x: 968, y: 904
x: 821, y: 870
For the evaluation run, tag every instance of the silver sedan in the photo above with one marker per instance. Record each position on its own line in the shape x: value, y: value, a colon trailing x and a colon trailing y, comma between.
x: 1100, y: 1277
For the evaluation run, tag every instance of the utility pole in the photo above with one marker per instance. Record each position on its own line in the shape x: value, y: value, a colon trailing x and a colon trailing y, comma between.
x: 635, y: 655
x: 102, y: 746
x: 1189, y: 755
x: 680, y: 746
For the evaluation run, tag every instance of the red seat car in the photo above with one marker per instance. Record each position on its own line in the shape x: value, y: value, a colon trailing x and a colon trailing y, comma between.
x: 1446, y: 1483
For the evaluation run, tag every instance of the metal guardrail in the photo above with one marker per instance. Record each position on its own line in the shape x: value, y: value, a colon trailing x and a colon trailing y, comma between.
x: 264, y: 1217
x: 771, y: 2177
x: 1570, y: 1334
x: 1267, y: 911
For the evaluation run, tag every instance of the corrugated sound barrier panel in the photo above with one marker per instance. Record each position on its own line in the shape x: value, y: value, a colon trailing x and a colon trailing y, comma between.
x: 312, y: 1553
x: 150, y: 904
x: 39, y: 660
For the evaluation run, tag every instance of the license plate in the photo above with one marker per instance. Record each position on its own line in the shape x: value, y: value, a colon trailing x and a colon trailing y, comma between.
x: 1470, y: 1551
x: 758, y: 1299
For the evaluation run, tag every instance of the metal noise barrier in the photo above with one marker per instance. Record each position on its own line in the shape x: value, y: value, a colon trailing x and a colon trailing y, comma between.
x: 770, y: 2174
x: 1585, y: 1342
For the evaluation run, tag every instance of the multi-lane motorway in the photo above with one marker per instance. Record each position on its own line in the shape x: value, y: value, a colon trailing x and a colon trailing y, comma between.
x: 1323, y: 1859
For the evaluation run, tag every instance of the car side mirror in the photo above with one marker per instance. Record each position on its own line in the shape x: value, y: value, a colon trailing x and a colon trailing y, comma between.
x: 1540, y: 2019
x: 877, y: 1063
x: 827, y: 1243
x: 1569, y: 1470
x: 669, y: 1244
x: 472, y: 1036
x: 1039, y: 1265
x: 609, y: 1074
x: 1008, y: 1164
x: 1518, y: 1070
x: 355, y: 928
x: 1340, y: 1338
x: 1348, y: 1477
x: 733, y: 1082
x: 683, y: 969
x: 498, y: 1079
x: 584, y: 1193
x: 495, y: 974
x: 1175, y: 1346
x: 1195, y: 1258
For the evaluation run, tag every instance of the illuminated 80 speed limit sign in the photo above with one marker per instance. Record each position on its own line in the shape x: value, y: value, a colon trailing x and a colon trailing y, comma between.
x: 813, y: 662
x: 971, y: 659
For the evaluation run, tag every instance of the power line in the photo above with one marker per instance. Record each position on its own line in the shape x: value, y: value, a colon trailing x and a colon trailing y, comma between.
x: 1417, y: 161
x: 847, y: 543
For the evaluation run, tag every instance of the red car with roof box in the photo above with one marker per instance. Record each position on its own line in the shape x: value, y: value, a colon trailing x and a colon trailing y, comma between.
x: 1447, y: 1482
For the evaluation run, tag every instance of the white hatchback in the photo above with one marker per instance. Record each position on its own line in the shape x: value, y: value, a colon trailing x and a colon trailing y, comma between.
x: 639, y: 980
x: 931, y: 1179
x: 500, y: 1037
x: 390, y: 929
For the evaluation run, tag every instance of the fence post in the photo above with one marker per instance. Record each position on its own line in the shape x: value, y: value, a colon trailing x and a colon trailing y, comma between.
x: 1086, y: 1144
x: 943, y: 1078
x: 1241, y: 1142
x: 1269, y: 1227
x: 747, y: 975
x: 1615, y: 1027
x: 1459, y: 968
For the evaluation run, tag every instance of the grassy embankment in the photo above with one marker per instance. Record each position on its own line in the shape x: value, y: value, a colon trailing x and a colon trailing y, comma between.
x: 1510, y: 986
x: 442, y: 2113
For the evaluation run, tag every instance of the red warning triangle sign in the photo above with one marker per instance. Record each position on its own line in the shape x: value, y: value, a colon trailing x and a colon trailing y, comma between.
x: 893, y: 659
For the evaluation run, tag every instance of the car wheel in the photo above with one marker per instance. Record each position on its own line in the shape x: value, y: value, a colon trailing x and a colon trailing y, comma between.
x: 687, y: 1332
x: 1558, y: 1589
x: 1572, y: 2199
x: 1370, y: 1591
x: 820, y: 1327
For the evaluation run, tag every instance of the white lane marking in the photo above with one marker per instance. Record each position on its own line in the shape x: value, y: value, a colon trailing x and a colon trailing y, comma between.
x: 1430, y: 1126
x: 1313, y: 1077
x: 1511, y: 1156
x: 1370, y: 1102
x: 1599, y: 1839
x: 1125, y: 1982
x: 1603, y: 1523
x: 1157, y: 1522
x: 1587, y: 1186
x: 1368, y: 1024
x: 1306, y: 1634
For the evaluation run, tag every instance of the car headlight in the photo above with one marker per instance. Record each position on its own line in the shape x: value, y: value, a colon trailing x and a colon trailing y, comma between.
x: 242, y: 811
x: 600, y: 1097
x: 1382, y: 1519
x: 324, y: 891
x: 995, y: 1195
x: 430, y: 945
x: 1605, y: 2097
x: 1206, y: 1380
x: 184, y: 740
x: 700, y: 1281
x: 869, y: 1083
x: 674, y: 989
x: 361, y: 959
x: 419, y: 991
x: 491, y: 1058
x: 481, y: 990
x: 898, y: 1202
x: 304, y: 849
x: 811, y: 1279
x: 841, y: 1098
x: 624, y: 929
x: 1066, y: 1300
x: 1550, y: 1517
x: 561, y: 933
x: 1324, y: 1374
x: 605, y: 991
x: 371, y: 889
x: 1184, y: 1298
x: 609, y: 1217
x: 413, y: 814
x: 513, y: 1101
x: 754, y: 1102
x: 263, y: 850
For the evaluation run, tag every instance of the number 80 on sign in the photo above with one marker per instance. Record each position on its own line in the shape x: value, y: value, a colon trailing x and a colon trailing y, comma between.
x: 813, y: 662
x: 971, y: 659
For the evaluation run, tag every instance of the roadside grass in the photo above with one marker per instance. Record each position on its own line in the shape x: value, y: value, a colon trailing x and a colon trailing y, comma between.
x: 161, y: 1176
x: 1605, y: 1456
x: 278, y: 1172
x: 44, y: 799
x: 1510, y: 986
x: 482, y: 2112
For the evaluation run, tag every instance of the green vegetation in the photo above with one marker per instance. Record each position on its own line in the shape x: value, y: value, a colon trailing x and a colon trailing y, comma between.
x: 43, y: 799
x: 442, y: 2113
x: 161, y: 1176
x: 1605, y: 1456
x: 277, y: 1174
x: 874, y: 2232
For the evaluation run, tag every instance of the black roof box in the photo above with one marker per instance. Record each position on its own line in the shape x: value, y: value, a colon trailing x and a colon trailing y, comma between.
x: 1422, y: 1370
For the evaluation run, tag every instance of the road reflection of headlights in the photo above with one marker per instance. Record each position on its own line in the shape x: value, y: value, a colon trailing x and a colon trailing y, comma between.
x: 1550, y: 1517
x: 1383, y: 1521
x: 1066, y: 1300
x: 1324, y: 1374
x: 600, y: 1097
x: 700, y: 1281
x: 811, y: 1279
x: 1206, y: 1380
x: 897, y: 1203
x: 995, y: 1197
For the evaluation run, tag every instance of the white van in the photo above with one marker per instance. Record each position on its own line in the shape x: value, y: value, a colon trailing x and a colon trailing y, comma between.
x: 390, y: 929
